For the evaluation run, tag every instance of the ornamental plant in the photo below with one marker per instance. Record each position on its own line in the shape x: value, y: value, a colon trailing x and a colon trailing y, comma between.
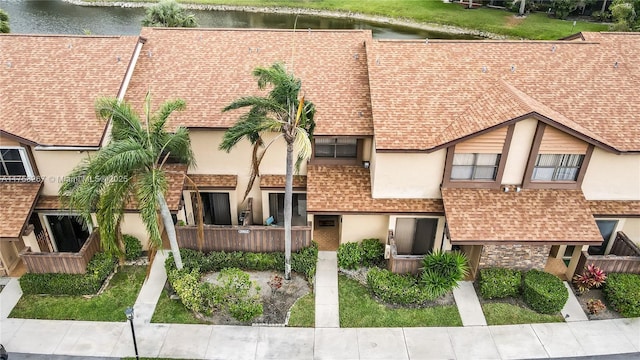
x: 592, y: 277
x: 595, y: 306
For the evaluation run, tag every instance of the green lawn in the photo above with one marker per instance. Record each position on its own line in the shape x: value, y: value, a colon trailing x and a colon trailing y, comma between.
x: 534, y: 26
x: 506, y: 314
x: 359, y: 309
x: 108, y: 306
x: 173, y: 312
x: 303, y: 312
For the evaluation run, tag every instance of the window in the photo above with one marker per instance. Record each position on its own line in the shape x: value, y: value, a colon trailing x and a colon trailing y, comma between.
x: 216, y: 208
x: 298, y: 211
x: 606, y: 227
x: 336, y: 148
x: 14, y: 162
x: 475, y: 166
x: 557, y: 167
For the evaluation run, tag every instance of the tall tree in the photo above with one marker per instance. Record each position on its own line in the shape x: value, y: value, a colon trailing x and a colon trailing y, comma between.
x: 130, y: 167
x: 4, y: 22
x: 168, y: 13
x: 284, y: 112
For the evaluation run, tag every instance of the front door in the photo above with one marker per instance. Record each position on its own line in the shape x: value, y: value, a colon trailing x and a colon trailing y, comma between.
x: 415, y: 236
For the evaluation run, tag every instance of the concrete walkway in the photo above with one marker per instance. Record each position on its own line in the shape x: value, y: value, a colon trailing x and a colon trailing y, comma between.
x: 326, y: 341
x: 326, y: 289
x: 572, y: 310
x: 151, y: 290
x: 468, y: 304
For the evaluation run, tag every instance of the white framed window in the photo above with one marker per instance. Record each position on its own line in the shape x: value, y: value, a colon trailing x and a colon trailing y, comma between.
x: 336, y: 148
x: 14, y: 162
x: 475, y: 166
x: 557, y: 167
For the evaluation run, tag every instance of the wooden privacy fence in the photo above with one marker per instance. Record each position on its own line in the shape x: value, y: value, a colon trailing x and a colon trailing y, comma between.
x: 623, y: 258
x: 61, y: 262
x: 243, y: 238
x: 402, y: 264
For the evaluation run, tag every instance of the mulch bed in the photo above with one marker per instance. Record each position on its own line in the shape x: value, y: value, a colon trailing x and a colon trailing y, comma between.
x: 597, y: 294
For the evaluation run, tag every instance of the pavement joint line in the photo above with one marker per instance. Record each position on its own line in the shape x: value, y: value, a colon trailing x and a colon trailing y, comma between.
x: 540, y: 341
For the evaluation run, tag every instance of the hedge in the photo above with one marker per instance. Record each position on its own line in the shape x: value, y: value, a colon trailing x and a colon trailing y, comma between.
x: 544, y: 292
x: 98, y: 269
x: 368, y: 252
x: 396, y: 288
x: 498, y: 283
x: 622, y: 291
x: 132, y: 247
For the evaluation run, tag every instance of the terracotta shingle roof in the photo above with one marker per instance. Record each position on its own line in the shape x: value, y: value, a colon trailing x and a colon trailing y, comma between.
x: 210, y: 68
x: 277, y: 181
x: 51, y: 83
x: 205, y: 181
x: 175, y: 178
x: 426, y: 94
x: 346, y: 189
x: 530, y: 216
x: 16, y: 202
x: 615, y: 207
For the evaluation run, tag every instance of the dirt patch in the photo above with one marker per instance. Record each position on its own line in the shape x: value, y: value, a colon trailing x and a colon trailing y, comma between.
x: 513, y: 21
x: 276, y: 303
x: 597, y: 294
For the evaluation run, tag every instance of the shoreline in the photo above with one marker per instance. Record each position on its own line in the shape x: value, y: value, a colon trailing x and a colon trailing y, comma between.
x: 310, y: 12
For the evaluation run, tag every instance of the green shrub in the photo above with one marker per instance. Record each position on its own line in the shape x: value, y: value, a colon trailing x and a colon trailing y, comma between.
x: 187, y: 286
x: 98, y: 269
x: 544, y: 292
x: 396, y: 288
x: 622, y: 291
x: 132, y: 247
x: 350, y: 255
x: 304, y: 261
x: 498, y: 283
x: 451, y: 266
x: 238, y: 294
x: 372, y: 252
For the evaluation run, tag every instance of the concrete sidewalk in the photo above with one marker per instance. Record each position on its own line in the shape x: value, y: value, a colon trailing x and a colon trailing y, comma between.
x: 326, y: 289
x: 108, y: 339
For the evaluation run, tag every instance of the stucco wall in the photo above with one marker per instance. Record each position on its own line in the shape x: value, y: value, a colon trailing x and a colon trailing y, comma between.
x: 612, y: 177
x: 523, y: 257
x: 408, y: 175
x: 358, y: 227
x: 132, y: 224
x: 631, y: 228
x: 55, y: 165
x: 519, y: 150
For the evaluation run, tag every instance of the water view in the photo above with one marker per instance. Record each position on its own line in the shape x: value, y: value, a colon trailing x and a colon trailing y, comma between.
x: 57, y: 17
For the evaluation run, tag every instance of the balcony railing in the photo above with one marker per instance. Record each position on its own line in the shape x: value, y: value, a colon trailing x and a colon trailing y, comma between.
x: 254, y: 238
x: 61, y: 262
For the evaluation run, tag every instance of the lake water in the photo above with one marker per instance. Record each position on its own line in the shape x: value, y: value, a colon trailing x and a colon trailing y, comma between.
x: 57, y: 17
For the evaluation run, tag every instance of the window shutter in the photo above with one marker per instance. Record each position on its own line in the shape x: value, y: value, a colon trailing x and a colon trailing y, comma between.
x: 489, y: 143
x: 555, y: 141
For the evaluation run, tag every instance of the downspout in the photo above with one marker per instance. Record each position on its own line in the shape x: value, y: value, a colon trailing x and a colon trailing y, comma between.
x: 106, y: 137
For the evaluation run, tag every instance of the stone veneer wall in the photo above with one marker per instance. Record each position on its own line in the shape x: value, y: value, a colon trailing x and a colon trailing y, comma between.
x: 523, y: 257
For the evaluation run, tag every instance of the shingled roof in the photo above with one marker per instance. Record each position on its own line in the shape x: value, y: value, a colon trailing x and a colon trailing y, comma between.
x: 347, y: 189
x: 16, y: 201
x: 481, y: 216
x: 426, y: 94
x: 210, y: 68
x: 50, y: 84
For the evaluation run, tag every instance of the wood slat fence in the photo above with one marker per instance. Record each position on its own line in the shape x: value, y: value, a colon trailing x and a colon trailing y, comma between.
x: 61, y: 262
x: 243, y: 238
x: 623, y: 258
x: 402, y: 264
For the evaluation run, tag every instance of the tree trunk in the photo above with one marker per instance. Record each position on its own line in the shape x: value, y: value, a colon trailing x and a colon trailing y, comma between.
x: 288, y: 195
x: 604, y: 6
x: 170, y: 229
x: 522, y: 4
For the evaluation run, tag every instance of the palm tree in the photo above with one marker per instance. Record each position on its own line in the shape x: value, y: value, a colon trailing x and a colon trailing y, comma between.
x: 168, y: 13
x: 130, y: 167
x: 282, y: 112
x: 4, y: 22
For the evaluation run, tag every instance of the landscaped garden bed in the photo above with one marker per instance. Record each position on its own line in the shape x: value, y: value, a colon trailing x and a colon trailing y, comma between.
x: 236, y: 287
x: 371, y: 296
x: 507, y: 297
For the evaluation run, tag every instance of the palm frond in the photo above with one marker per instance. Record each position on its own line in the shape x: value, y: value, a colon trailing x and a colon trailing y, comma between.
x: 148, y: 186
x: 304, y: 147
x: 261, y: 104
x: 159, y: 120
x: 116, y: 195
x: 123, y: 156
x: 125, y: 122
